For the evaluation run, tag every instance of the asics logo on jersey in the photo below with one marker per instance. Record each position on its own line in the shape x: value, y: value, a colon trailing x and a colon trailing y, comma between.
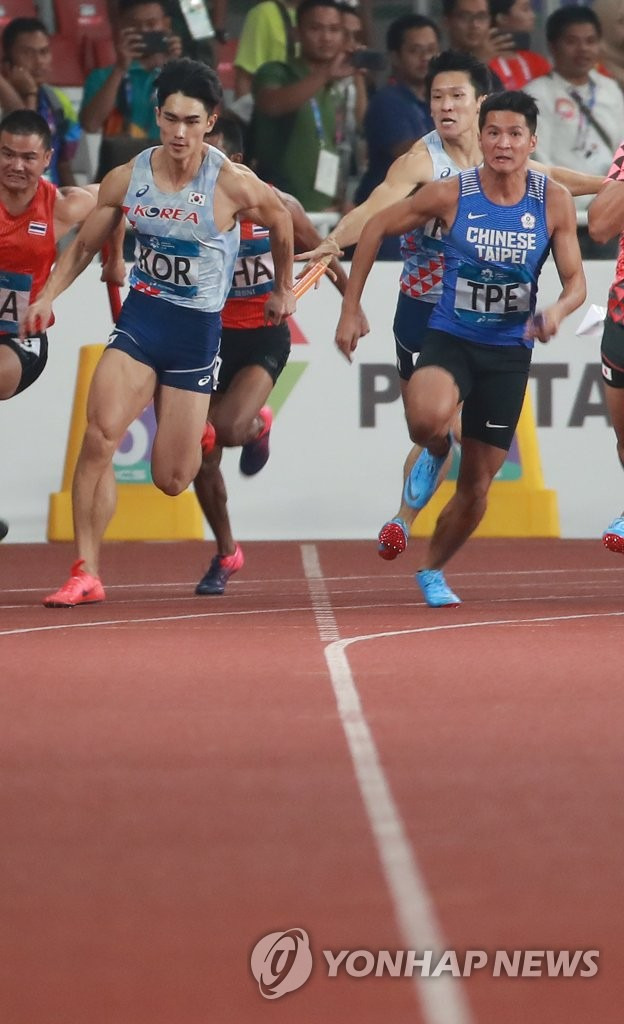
x: 142, y: 191
x: 203, y: 381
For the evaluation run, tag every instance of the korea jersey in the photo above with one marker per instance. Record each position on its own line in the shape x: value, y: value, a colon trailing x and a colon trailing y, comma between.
x: 422, y: 248
x: 493, y: 256
x: 180, y: 255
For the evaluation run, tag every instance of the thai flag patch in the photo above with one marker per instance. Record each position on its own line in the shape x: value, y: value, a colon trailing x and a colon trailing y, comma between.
x: 37, y: 227
x: 197, y: 198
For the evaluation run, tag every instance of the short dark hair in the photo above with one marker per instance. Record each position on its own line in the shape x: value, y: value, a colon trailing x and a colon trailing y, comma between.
x: 308, y: 5
x: 561, y: 19
x: 27, y: 122
x: 191, y: 78
x: 17, y: 27
x: 123, y: 6
x: 517, y: 101
x: 229, y: 126
x: 398, y: 28
x: 458, y: 60
x: 448, y: 7
x: 500, y: 7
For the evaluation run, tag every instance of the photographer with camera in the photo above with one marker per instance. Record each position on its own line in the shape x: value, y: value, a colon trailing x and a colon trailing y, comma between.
x: 119, y: 100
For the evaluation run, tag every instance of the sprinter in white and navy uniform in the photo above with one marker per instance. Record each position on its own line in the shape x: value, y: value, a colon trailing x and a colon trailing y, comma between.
x: 184, y: 200
x: 183, y: 268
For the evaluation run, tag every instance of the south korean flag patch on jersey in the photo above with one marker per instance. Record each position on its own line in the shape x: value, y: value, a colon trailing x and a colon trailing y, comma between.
x: 197, y: 198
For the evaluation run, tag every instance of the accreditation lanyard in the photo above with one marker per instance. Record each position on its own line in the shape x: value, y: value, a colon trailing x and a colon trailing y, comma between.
x: 584, y: 124
x: 328, y: 163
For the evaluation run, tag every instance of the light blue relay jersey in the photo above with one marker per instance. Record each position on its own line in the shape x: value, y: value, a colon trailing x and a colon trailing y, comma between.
x: 180, y: 255
x: 422, y: 248
x: 493, y: 257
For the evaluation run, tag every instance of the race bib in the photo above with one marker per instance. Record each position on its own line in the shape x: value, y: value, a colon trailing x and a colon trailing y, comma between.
x: 489, y: 296
x: 167, y: 265
x: 14, y: 299
x: 253, y: 275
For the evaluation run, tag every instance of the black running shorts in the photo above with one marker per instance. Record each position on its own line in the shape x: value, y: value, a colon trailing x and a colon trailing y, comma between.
x: 32, y: 354
x: 491, y: 379
x: 268, y: 347
x: 612, y: 353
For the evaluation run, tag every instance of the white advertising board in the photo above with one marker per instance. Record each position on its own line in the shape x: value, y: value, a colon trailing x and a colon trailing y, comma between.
x: 339, y: 439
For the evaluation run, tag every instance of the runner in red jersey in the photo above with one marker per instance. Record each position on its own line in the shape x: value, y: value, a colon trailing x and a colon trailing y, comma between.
x: 34, y: 215
x: 251, y: 358
x: 605, y: 221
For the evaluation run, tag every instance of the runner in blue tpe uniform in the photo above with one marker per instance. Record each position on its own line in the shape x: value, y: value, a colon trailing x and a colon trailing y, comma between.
x: 456, y: 85
x: 499, y: 223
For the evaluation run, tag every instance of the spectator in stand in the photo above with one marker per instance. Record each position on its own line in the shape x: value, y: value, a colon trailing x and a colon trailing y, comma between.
x: 268, y: 34
x: 398, y: 114
x: 581, y: 112
x: 119, y: 100
x: 611, y: 15
x: 27, y: 58
x: 469, y: 29
x: 521, y: 65
x: 298, y: 121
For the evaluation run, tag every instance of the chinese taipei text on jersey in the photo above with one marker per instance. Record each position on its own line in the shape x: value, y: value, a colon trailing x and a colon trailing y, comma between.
x: 493, y: 256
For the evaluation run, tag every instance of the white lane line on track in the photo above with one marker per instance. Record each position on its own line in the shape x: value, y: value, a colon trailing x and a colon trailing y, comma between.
x: 378, y: 579
x: 442, y: 1000
x: 229, y: 613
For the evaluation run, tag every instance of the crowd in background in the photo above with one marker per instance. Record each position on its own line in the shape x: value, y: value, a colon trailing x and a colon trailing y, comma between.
x: 324, y: 113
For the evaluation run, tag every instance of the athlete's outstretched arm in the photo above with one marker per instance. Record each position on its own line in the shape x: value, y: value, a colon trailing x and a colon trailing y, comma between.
x: 72, y: 206
x: 561, y: 217
x: 404, y: 175
x: 306, y: 236
x: 576, y: 182
x: 606, y: 213
x: 89, y: 240
x: 438, y: 199
x: 605, y: 217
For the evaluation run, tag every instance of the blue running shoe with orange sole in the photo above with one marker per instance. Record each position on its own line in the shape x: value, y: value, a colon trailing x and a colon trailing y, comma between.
x: 221, y: 568
x: 392, y: 539
x: 613, y: 537
x: 435, y: 589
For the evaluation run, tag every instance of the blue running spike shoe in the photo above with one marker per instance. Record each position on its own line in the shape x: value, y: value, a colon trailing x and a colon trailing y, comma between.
x: 423, y: 477
x: 221, y: 568
x: 255, y: 454
x: 435, y: 589
x: 613, y: 537
x: 392, y: 539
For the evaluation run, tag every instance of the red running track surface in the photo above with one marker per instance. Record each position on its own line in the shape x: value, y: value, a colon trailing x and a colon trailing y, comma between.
x: 314, y: 750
